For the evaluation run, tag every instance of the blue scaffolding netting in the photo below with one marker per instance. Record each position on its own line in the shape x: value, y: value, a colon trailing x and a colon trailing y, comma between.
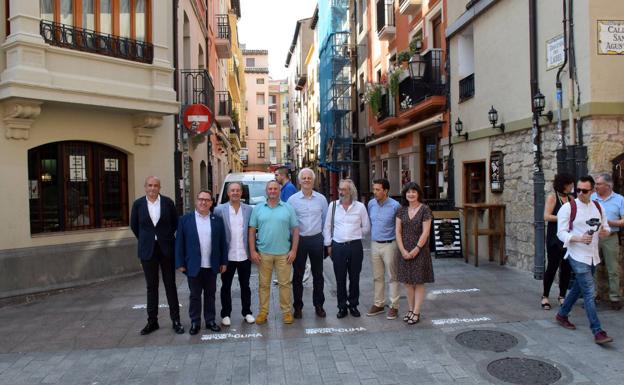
x: 335, y: 85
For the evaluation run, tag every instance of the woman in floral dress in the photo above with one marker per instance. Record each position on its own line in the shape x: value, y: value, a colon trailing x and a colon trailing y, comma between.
x: 414, y: 267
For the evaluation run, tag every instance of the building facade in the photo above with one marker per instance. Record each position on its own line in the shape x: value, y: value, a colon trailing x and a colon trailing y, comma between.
x: 256, y: 109
x: 78, y: 142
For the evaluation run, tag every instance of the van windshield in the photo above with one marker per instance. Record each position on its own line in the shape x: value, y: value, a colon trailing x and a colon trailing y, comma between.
x: 254, y: 192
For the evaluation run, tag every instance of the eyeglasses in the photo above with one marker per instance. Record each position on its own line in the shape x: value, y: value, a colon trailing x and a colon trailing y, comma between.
x: 584, y: 190
x: 204, y: 199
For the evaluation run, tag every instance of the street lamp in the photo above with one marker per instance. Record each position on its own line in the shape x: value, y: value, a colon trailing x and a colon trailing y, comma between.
x: 493, y: 117
x: 459, y: 127
x: 539, y: 103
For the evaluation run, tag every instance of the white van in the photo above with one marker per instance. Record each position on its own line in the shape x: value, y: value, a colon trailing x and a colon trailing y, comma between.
x: 254, y: 186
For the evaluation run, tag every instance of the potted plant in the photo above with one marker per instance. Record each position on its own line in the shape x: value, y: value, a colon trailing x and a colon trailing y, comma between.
x: 372, y: 97
x: 395, y: 78
x: 415, y: 45
x: 403, y: 57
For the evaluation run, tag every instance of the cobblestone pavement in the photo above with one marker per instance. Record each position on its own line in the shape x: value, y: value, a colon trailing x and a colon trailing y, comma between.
x: 89, y: 335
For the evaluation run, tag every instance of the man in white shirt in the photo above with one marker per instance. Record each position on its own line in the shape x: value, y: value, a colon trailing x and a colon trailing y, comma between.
x: 580, y: 236
x: 235, y: 215
x: 346, y: 222
x: 201, y: 253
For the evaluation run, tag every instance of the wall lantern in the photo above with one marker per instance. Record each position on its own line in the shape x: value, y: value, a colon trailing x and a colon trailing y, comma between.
x: 539, y: 103
x: 493, y: 117
x: 459, y: 127
x: 417, y: 65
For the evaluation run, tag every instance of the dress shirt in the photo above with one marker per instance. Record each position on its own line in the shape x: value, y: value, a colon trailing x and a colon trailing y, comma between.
x: 613, y: 206
x: 310, y: 212
x: 383, y: 219
x: 579, y: 251
x: 237, y: 251
x: 154, y: 211
x: 349, y: 224
x: 205, y: 238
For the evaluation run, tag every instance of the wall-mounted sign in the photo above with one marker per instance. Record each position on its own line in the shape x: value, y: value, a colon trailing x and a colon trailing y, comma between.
x: 555, y: 52
x: 611, y: 37
x: 496, y: 171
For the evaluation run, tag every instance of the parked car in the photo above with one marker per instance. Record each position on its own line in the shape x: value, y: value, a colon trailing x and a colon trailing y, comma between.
x: 254, y: 186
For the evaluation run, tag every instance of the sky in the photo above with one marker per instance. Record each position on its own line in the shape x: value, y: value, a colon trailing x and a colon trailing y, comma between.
x: 270, y: 24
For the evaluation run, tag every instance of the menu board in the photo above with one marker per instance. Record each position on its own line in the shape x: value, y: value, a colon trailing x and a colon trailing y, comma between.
x: 447, y: 234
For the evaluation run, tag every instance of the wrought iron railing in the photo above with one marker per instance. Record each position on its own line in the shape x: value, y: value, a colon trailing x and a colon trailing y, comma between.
x: 225, y: 103
x: 385, y: 15
x: 68, y: 36
x: 197, y: 88
x: 223, y: 27
x: 412, y: 92
x: 466, y: 88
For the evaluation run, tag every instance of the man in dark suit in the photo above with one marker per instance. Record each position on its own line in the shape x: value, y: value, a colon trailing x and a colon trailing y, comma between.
x: 235, y: 215
x: 153, y: 221
x: 201, y: 253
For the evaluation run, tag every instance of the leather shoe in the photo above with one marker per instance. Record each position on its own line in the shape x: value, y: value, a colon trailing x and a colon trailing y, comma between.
x: 177, y: 327
x: 342, y: 313
x: 298, y: 314
x: 150, y: 327
x: 354, y: 311
x: 194, y: 329
x: 320, y: 312
x: 213, y: 326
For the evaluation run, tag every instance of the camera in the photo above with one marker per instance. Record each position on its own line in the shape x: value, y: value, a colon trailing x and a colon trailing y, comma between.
x: 593, y: 222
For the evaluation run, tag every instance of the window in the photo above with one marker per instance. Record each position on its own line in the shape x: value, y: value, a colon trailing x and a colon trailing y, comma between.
x: 129, y: 18
x: 260, y: 123
x: 272, y: 99
x: 474, y: 182
x: 77, y: 185
x: 261, y: 150
x: 272, y: 117
x: 260, y: 99
x: 260, y: 81
x: 250, y: 62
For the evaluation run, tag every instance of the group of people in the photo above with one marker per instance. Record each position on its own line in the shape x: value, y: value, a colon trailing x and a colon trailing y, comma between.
x: 281, y: 234
x: 580, y: 231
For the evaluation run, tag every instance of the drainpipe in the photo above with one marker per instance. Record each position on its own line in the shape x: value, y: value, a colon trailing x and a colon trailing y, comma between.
x: 570, y: 78
x: 580, y: 154
x: 561, y: 143
x: 177, y: 133
x: 450, y: 192
x: 538, y: 174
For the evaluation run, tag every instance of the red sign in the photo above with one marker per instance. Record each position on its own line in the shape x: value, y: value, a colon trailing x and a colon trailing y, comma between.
x: 197, y: 118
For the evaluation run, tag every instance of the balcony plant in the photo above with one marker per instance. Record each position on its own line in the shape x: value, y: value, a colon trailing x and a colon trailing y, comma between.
x: 415, y: 45
x: 234, y: 115
x: 372, y: 97
x: 396, y: 75
x: 403, y: 57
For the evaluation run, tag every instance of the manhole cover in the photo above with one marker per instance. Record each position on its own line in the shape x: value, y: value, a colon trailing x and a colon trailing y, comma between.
x: 524, y: 371
x: 490, y: 340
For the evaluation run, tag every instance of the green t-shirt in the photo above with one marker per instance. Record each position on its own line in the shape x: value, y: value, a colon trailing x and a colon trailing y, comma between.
x: 273, y: 226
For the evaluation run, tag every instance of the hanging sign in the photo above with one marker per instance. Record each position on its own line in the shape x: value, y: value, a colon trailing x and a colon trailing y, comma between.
x: 197, y: 118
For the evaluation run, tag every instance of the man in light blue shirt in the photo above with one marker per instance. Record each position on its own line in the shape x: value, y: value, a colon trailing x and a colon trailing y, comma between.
x: 311, y: 208
x: 613, y: 204
x: 382, y: 212
x: 276, y: 225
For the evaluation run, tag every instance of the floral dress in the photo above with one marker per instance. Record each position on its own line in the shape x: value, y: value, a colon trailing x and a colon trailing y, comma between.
x: 420, y: 269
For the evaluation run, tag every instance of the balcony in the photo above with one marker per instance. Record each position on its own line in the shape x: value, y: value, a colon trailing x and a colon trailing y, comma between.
x: 68, y: 36
x: 224, y: 109
x: 386, y: 27
x: 410, y: 7
x: 301, y: 81
x: 197, y: 88
x: 223, y: 41
x: 466, y: 88
x: 412, y: 92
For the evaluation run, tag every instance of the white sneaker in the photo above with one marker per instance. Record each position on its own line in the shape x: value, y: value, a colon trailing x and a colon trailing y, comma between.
x: 226, y: 321
x: 250, y: 319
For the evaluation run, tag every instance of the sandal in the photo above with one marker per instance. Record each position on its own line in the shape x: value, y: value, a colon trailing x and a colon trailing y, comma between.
x: 561, y: 300
x: 414, y: 319
x: 546, y: 305
x: 407, y: 316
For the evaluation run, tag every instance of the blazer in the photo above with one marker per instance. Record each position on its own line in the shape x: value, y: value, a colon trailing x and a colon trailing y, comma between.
x: 223, y: 212
x: 145, y: 231
x: 187, y: 248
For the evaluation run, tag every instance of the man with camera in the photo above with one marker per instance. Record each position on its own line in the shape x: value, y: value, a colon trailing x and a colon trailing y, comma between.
x: 580, y: 224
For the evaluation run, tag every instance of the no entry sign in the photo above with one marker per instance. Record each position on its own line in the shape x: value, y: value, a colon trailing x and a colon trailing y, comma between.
x: 197, y: 118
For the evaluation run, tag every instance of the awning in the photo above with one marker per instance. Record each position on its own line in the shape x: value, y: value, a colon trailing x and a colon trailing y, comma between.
x: 425, y: 123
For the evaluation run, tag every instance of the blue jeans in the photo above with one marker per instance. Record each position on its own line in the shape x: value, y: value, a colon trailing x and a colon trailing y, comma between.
x: 583, y: 284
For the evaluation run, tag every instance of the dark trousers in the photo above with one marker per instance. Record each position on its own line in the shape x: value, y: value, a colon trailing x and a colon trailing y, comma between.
x: 555, y: 260
x: 150, y: 270
x: 347, y: 259
x: 309, y: 246
x: 244, y: 272
x: 206, y: 282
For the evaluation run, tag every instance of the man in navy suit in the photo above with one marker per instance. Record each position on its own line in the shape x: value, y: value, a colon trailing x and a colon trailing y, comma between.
x: 153, y: 221
x: 235, y: 215
x: 201, y: 253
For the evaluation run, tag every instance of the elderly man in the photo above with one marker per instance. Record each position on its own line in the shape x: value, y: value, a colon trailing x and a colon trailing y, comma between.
x: 580, y: 237
x: 273, y: 240
x: 235, y: 215
x: 613, y: 204
x: 310, y: 208
x: 382, y: 211
x: 153, y: 221
x: 345, y: 225
x: 201, y: 254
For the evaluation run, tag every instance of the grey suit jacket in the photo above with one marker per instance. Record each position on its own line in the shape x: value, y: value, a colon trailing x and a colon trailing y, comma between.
x: 223, y: 212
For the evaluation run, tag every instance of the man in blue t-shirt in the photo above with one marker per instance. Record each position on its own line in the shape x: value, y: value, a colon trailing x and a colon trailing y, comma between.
x: 288, y: 189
